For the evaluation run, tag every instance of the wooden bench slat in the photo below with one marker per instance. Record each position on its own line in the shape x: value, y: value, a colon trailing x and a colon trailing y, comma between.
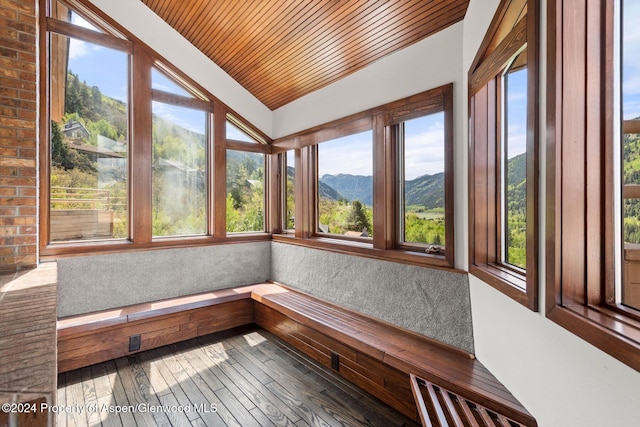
x: 372, y: 353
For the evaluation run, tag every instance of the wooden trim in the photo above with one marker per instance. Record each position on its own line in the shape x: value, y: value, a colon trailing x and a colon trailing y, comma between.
x: 141, y: 149
x: 219, y: 170
x: 486, y: 163
x: 509, y: 47
x: 631, y: 126
x: 339, y: 130
x: 248, y: 146
x: 106, y: 40
x: 580, y: 249
x: 180, y: 101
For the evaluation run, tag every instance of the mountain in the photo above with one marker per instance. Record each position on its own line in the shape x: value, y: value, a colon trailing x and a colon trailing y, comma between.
x: 350, y: 187
x: 426, y: 190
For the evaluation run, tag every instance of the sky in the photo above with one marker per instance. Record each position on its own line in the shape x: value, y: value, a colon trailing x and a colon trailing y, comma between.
x: 631, y: 60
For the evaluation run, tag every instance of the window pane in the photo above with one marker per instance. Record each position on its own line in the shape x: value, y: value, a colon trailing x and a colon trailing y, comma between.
x: 162, y: 82
x: 630, y: 291
x: 631, y: 60
x: 514, y: 167
x: 63, y: 13
x: 179, y: 157
x: 423, y: 184
x: 245, y: 191
x: 89, y: 145
x: 345, y: 186
x: 290, y: 195
x: 235, y: 133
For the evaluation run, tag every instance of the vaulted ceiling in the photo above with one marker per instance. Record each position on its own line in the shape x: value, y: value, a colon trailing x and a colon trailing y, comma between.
x: 280, y: 50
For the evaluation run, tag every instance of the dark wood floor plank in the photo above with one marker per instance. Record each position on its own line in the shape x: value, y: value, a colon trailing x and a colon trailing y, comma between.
x: 133, y: 392
x: 90, y: 399
x: 176, y: 418
x: 252, y: 378
x: 61, y: 399
x: 271, y: 397
x: 173, y: 384
x: 119, y: 395
x: 191, y: 390
x: 75, y: 399
x: 229, y: 404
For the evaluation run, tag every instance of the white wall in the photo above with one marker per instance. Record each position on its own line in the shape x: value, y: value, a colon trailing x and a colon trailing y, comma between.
x: 561, y: 379
x: 148, y: 27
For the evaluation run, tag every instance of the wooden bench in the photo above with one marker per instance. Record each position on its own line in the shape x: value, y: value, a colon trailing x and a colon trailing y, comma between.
x: 439, y: 407
x: 375, y: 355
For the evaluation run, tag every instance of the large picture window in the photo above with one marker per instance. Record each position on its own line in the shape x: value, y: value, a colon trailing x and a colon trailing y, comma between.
x: 379, y: 183
x: 503, y: 155
x: 345, y: 186
x: 89, y: 107
x: 591, y: 251
x: 135, y: 159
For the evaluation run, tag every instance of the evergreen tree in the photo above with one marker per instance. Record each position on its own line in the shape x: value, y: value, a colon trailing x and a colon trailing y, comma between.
x: 357, y: 219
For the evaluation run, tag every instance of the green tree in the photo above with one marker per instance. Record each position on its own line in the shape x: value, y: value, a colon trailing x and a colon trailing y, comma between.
x: 357, y: 219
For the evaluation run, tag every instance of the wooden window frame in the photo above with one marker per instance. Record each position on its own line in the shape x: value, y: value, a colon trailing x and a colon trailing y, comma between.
x: 381, y: 120
x: 505, y: 39
x: 142, y: 60
x: 580, y: 239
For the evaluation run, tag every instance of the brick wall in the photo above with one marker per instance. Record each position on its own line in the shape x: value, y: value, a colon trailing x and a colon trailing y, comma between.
x: 18, y: 135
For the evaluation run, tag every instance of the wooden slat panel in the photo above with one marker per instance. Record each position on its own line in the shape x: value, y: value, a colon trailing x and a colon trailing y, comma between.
x: 282, y: 50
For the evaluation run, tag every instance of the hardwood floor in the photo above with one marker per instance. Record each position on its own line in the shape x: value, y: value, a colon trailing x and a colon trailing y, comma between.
x: 243, y: 377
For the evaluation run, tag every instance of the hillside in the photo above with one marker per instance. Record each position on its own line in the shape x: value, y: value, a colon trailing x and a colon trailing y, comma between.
x: 350, y: 187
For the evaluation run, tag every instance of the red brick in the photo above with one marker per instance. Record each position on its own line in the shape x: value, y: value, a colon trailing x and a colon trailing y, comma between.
x: 27, y: 211
x: 27, y: 153
x: 4, y: 151
x: 27, y: 250
x: 8, y: 211
x: 27, y: 172
x: 27, y: 114
x: 17, y: 162
x: 7, y: 191
x: 17, y: 181
x: 8, y: 231
x: 21, y: 6
x: 8, y: 171
x: 16, y: 84
x: 5, y: 251
x: 27, y: 38
x: 19, y: 201
x: 27, y: 229
x: 27, y: 191
x: 24, y: 240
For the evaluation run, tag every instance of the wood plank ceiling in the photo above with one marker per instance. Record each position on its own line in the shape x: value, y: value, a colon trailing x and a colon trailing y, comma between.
x: 280, y: 50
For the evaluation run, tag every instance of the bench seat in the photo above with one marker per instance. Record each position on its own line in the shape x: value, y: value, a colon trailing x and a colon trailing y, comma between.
x: 375, y: 355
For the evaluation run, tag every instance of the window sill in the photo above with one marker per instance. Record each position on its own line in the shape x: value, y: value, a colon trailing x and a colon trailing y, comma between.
x: 505, y: 280
x: 603, y: 327
x: 56, y: 250
x: 366, y: 249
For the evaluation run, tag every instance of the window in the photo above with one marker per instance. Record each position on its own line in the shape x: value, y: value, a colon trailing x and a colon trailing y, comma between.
x: 629, y: 291
x: 289, y: 201
x: 245, y: 191
x: 134, y: 159
x: 345, y: 186
x: 89, y: 107
x: 422, y: 182
x: 179, y: 172
x: 378, y: 183
x: 245, y: 165
x: 503, y: 154
x: 591, y: 174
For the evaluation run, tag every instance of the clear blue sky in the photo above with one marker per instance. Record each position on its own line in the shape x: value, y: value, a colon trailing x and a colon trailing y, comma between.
x: 631, y: 60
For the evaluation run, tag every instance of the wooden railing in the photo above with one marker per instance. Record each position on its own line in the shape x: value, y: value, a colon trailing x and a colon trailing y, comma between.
x: 85, y: 198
